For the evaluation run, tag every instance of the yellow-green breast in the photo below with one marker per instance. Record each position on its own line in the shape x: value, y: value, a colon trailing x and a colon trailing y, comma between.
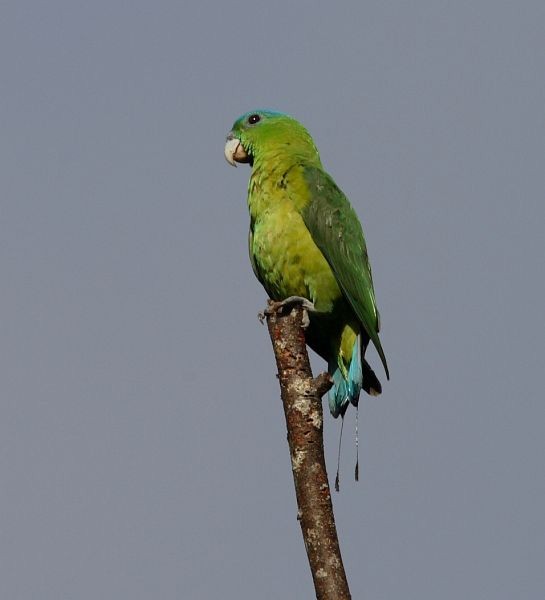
x: 288, y: 262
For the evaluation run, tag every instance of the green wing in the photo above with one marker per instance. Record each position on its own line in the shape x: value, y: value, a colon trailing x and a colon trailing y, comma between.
x: 336, y: 230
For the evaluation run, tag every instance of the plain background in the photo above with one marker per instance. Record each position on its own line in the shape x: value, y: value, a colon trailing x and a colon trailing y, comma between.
x: 142, y: 441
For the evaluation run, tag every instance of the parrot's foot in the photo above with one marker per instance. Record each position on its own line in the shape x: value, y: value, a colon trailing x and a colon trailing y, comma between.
x: 288, y: 304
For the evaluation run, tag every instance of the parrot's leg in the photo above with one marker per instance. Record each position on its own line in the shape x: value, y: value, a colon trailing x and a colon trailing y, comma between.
x: 289, y: 303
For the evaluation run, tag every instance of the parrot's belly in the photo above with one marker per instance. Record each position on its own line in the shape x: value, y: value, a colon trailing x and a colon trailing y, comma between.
x: 289, y: 263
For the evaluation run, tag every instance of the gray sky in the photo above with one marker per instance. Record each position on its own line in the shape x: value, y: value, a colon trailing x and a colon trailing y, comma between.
x: 143, y: 451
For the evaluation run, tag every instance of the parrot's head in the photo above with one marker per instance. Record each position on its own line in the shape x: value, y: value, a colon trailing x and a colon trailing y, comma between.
x: 259, y: 134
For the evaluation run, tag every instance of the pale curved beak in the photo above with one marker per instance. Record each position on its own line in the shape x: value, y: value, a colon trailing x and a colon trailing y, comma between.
x: 234, y: 152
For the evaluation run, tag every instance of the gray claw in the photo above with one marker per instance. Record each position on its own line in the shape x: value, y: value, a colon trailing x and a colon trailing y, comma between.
x: 288, y: 303
x: 295, y: 300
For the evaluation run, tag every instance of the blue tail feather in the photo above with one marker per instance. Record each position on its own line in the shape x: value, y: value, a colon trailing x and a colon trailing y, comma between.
x: 338, y: 394
x: 355, y: 373
x: 346, y: 388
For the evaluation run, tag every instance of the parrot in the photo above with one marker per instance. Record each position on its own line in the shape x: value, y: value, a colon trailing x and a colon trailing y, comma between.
x: 306, y: 243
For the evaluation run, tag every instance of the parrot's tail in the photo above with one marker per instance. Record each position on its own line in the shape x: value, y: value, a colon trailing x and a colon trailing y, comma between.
x: 346, y: 388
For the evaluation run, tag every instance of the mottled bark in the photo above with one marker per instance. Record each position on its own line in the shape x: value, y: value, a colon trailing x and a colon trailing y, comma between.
x: 301, y: 396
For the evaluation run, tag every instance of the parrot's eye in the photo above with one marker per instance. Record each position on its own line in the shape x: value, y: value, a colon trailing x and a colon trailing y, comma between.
x: 253, y: 119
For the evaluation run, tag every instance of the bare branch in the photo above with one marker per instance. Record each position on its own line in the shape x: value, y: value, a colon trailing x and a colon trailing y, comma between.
x: 301, y: 396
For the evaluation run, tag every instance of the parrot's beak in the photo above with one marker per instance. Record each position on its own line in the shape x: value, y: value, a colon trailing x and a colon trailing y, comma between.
x: 234, y: 152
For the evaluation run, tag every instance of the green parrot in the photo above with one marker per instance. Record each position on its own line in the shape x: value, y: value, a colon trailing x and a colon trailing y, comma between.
x: 306, y: 241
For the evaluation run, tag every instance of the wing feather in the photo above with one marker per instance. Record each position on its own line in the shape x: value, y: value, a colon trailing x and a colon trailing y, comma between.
x: 336, y: 230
